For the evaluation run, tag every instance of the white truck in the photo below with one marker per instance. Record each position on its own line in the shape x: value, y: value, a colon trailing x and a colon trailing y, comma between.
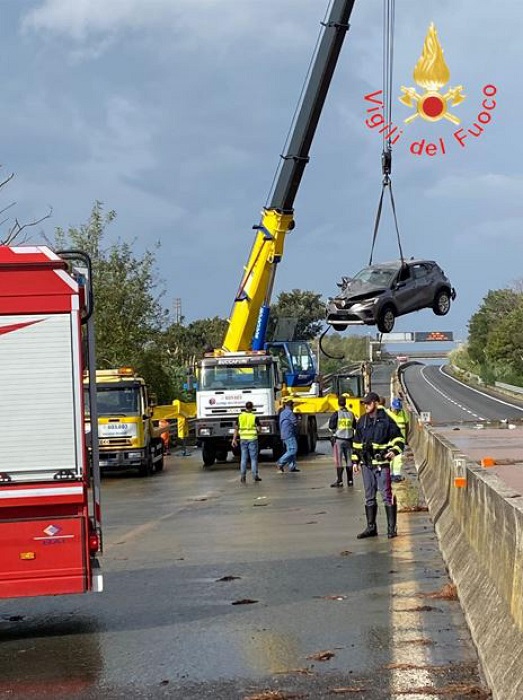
x: 225, y: 384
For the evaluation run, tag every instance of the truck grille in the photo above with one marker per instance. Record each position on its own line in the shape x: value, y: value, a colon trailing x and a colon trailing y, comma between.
x: 229, y: 411
x: 115, y: 442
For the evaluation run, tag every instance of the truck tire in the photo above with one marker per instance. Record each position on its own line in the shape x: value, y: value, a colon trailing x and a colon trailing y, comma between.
x: 304, y: 444
x: 160, y: 464
x: 313, y: 434
x: 236, y: 451
x: 146, y: 468
x: 277, y: 450
x: 208, y: 453
x: 221, y: 455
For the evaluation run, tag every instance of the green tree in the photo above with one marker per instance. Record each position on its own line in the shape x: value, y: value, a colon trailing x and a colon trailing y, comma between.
x: 504, y: 350
x: 129, y: 317
x: 189, y: 342
x: 306, y: 307
x: 496, y: 304
x: 343, y: 351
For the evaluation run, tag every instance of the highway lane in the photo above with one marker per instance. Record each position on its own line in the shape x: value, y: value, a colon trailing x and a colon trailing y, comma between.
x: 450, y: 401
x: 214, y: 589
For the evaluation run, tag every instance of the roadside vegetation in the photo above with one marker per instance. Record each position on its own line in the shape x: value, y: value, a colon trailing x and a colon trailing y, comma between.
x: 494, y: 350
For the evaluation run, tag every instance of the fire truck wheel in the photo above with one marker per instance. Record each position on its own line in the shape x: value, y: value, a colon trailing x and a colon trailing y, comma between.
x: 159, y: 465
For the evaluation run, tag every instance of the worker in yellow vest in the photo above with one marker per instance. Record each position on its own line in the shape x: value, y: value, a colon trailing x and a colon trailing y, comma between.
x: 400, y: 417
x: 341, y: 428
x: 247, y: 429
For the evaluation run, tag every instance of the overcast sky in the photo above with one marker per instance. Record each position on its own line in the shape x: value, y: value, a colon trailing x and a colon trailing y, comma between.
x: 174, y: 113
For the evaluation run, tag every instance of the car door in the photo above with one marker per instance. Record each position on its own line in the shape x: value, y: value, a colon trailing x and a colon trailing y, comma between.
x: 404, y: 291
x: 424, y: 281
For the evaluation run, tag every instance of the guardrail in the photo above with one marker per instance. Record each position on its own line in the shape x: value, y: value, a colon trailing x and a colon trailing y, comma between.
x: 509, y: 387
x: 479, y: 532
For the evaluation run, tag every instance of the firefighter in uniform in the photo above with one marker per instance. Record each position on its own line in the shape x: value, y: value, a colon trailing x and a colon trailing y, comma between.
x: 247, y: 428
x: 400, y: 417
x: 377, y: 440
x: 341, y: 428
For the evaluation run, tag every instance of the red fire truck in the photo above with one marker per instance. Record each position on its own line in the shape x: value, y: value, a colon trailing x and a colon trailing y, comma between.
x: 50, y: 518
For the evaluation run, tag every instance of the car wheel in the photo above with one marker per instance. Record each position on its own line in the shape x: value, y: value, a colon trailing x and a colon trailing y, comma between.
x: 441, y: 305
x: 386, y: 319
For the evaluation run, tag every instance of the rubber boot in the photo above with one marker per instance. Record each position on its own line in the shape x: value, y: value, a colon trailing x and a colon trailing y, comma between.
x: 350, y: 476
x: 371, y: 530
x: 392, y: 514
x: 339, y: 477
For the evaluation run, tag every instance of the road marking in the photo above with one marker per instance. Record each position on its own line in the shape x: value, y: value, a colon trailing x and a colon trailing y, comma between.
x: 411, y: 659
x: 481, y: 393
x: 447, y: 397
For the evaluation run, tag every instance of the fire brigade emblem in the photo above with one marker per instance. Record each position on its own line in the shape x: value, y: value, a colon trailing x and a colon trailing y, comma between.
x: 52, y: 530
x: 431, y: 73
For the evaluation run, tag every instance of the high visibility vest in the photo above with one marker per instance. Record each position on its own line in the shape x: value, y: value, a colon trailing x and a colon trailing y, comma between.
x: 344, y: 429
x: 247, y: 426
x: 401, y: 420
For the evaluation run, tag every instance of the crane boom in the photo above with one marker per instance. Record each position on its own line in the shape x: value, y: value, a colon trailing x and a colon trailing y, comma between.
x: 250, y: 313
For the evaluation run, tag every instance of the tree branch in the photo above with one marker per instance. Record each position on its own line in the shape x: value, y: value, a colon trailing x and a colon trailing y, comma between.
x: 17, y: 228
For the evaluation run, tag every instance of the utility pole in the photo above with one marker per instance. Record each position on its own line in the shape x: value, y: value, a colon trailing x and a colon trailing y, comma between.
x: 177, y: 310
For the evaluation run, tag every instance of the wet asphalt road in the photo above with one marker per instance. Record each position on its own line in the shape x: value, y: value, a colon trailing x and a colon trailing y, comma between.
x: 218, y: 590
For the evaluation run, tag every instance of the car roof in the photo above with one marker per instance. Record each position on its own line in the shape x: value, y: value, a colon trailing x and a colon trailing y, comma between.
x: 399, y: 263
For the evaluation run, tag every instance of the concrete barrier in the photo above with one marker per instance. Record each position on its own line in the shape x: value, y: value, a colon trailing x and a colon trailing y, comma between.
x: 480, y: 531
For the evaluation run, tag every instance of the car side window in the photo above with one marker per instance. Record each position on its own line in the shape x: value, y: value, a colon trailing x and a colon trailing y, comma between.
x: 420, y: 272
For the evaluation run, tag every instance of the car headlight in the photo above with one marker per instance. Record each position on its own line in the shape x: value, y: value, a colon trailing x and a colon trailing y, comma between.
x: 205, y: 432
x: 364, y: 304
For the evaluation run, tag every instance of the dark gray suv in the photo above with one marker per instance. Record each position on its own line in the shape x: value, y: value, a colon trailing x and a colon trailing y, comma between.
x: 379, y: 293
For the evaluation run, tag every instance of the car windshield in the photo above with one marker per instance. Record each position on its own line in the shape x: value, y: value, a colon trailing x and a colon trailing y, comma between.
x: 377, y: 276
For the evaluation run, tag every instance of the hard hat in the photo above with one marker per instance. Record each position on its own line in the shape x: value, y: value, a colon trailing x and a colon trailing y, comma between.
x: 396, y: 403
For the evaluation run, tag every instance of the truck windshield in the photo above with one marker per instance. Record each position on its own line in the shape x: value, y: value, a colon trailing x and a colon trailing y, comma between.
x: 115, y: 400
x: 350, y: 385
x: 238, y: 377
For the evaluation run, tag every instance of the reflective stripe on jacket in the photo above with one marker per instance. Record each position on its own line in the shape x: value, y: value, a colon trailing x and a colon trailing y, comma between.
x: 374, y: 437
x: 247, y: 426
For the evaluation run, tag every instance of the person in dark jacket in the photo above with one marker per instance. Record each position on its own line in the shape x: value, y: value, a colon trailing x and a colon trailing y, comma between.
x: 377, y: 440
x: 341, y: 427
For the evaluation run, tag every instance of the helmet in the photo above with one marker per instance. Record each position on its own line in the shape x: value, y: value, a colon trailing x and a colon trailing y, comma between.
x: 396, y: 404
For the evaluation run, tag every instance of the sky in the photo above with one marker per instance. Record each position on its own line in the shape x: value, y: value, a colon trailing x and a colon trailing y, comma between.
x: 174, y: 113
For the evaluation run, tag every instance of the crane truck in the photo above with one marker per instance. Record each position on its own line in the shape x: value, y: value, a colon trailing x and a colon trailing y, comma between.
x: 50, y: 514
x: 247, y: 368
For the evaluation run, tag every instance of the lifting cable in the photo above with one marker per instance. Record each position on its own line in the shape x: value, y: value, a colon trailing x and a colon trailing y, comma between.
x: 389, y: 8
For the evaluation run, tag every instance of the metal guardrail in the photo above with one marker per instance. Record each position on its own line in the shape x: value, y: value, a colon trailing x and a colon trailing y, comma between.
x: 509, y: 387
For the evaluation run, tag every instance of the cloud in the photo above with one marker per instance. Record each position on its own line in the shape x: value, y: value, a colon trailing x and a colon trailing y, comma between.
x: 469, y: 186
x: 219, y: 21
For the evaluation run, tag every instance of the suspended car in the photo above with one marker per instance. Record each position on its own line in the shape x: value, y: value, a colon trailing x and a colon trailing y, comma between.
x: 381, y: 292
